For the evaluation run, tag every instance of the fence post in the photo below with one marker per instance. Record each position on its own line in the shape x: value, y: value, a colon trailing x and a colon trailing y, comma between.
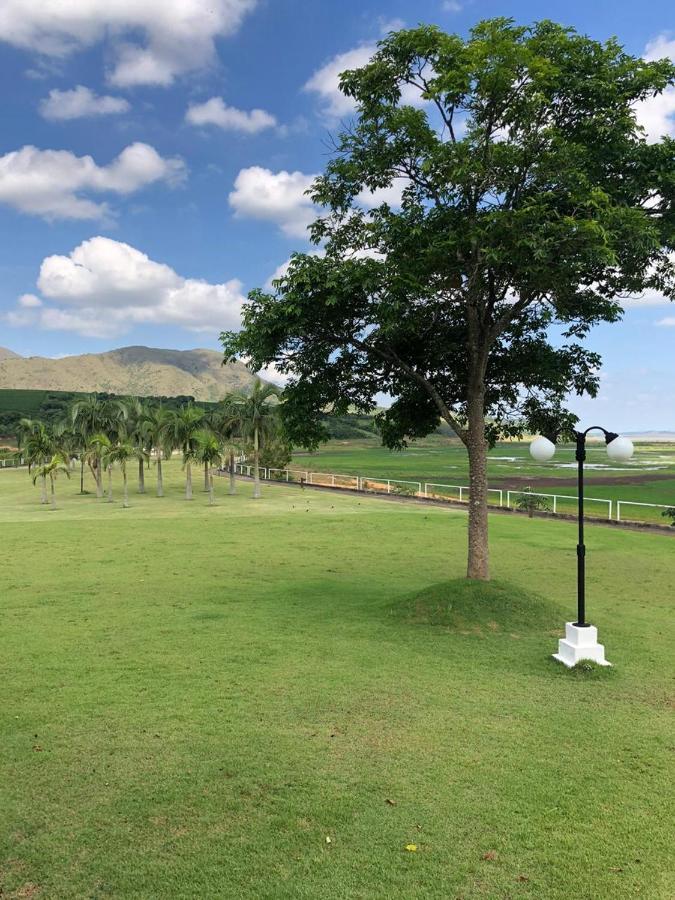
x: 332, y: 480
x: 460, y: 494
x: 555, y: 504
x: 508, y: 499
x: 618, y: 510
x: 609, y: 514
x: 388, y: 486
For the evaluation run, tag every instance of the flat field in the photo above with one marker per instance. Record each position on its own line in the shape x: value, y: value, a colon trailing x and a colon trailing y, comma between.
x: 300, y: 697
x: 648, y: 478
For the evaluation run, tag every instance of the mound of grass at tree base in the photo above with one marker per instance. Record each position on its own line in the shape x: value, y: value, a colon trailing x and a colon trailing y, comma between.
x: 480, y: 608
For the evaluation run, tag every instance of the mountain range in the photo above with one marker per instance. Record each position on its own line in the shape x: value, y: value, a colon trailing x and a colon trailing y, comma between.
x: 137, y: 371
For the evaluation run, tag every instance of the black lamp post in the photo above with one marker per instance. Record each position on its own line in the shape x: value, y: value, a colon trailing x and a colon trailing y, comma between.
x: 619, y: 449
x: 581, y: 546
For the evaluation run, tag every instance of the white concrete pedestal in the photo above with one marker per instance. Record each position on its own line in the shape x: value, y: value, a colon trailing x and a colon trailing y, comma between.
x: 580, y: 643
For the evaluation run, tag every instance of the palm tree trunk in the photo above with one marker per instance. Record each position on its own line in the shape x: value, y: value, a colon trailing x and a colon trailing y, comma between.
x: 51, y: 478
x: 160, y: 479
x: 256, y: 466
x: 211, y: 497
x: 233, y: 488
x: 141, y: 476
x: 98, y: 475
x: 43, y: 489
x: 206, y: 476
x: 110, y: 496
x: 82, y: 475
x: 125, y: 496
x: 188, y: 482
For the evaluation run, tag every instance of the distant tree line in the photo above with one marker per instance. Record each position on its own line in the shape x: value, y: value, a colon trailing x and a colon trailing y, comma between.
x: 105, y: 432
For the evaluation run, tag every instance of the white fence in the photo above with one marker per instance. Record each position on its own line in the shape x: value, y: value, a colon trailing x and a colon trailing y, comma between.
x: 425, y: 489
x: 556, y: 497
x: 620, y: 503
x: 11, y: 463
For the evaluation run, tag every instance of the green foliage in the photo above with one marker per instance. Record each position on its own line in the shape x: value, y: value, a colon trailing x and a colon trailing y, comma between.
x: 669, y: 514
x: 546, y: 207
x: 530, y: 502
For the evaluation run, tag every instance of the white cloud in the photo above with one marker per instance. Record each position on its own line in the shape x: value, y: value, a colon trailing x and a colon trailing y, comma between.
x: 657, y: 114
x: 80, y: 102
x: 277, y: 197
x: 29, y: 301
x: 668, y: 322
x: 661, y: 47
x: 50, y: 183
x: 326, y: 81
x: 390, y: 195
x: 216, y: 112
x: 451, y: 6
x: 104, y: 287
x: 151, y: 41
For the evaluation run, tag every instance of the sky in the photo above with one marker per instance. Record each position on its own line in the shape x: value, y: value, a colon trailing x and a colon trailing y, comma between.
x: 154, y: 158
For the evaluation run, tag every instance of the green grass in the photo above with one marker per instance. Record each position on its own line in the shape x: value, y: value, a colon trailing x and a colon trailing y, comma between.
x: 194, y: 699
x: 445, y: 461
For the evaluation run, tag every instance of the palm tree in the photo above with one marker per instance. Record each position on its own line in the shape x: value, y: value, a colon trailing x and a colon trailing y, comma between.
x: 209, y: 452
x: 50, y: 470
x: 226, y: 423
x: 136, y: 429
x: 258, y: 421
x: 93, y: 415
x: 180, y: 432
x: 119, y: 454
x: 157, y: 430
x: 36, y: 446
x: 97, y: 446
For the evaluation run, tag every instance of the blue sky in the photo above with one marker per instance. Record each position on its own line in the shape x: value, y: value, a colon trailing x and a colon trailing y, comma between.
x: 153, y: 162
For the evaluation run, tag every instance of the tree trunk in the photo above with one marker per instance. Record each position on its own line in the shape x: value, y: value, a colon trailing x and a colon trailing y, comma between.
x: 476, y: 444
x: 82, y: 475
x: 160, y: 479
x: 256, y: 466
x: 98, y: 477
x: 188, y: 482
x: 125, y: 495
x: 233, y: 475
x: 211, y: 497
x: 206, y: 476
x: 110, y: 496
x: 53, y: 492
x: 43, y: 489
x: 141, y: 476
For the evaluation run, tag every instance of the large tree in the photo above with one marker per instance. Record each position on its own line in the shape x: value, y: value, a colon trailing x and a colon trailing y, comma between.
x: 531, y: 203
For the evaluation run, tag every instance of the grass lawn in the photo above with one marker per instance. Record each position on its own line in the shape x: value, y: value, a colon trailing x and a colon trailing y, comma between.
x: 274, y: 699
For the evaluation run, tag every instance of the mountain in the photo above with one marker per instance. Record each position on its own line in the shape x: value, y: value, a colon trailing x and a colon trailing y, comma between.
x: 142, y: 371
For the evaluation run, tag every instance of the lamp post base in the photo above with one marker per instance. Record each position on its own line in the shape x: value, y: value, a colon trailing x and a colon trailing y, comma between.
x: 580, y: 642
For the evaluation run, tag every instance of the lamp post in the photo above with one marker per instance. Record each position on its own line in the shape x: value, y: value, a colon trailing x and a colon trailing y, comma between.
x: 581, y: 638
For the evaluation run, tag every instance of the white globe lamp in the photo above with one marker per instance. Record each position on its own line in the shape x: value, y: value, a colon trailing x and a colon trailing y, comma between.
x: 620, y: 449
x: 542, y: 449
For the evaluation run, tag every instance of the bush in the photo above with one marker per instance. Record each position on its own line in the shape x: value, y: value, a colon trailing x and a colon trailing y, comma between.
x: 669, y: 514
x: 530, y: 502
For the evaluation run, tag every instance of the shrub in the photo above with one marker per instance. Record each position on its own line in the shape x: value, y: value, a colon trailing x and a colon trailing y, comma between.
x: 530, y: 502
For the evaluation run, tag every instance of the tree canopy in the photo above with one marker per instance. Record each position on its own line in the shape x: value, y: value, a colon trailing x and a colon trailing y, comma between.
x: 530, y: 204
